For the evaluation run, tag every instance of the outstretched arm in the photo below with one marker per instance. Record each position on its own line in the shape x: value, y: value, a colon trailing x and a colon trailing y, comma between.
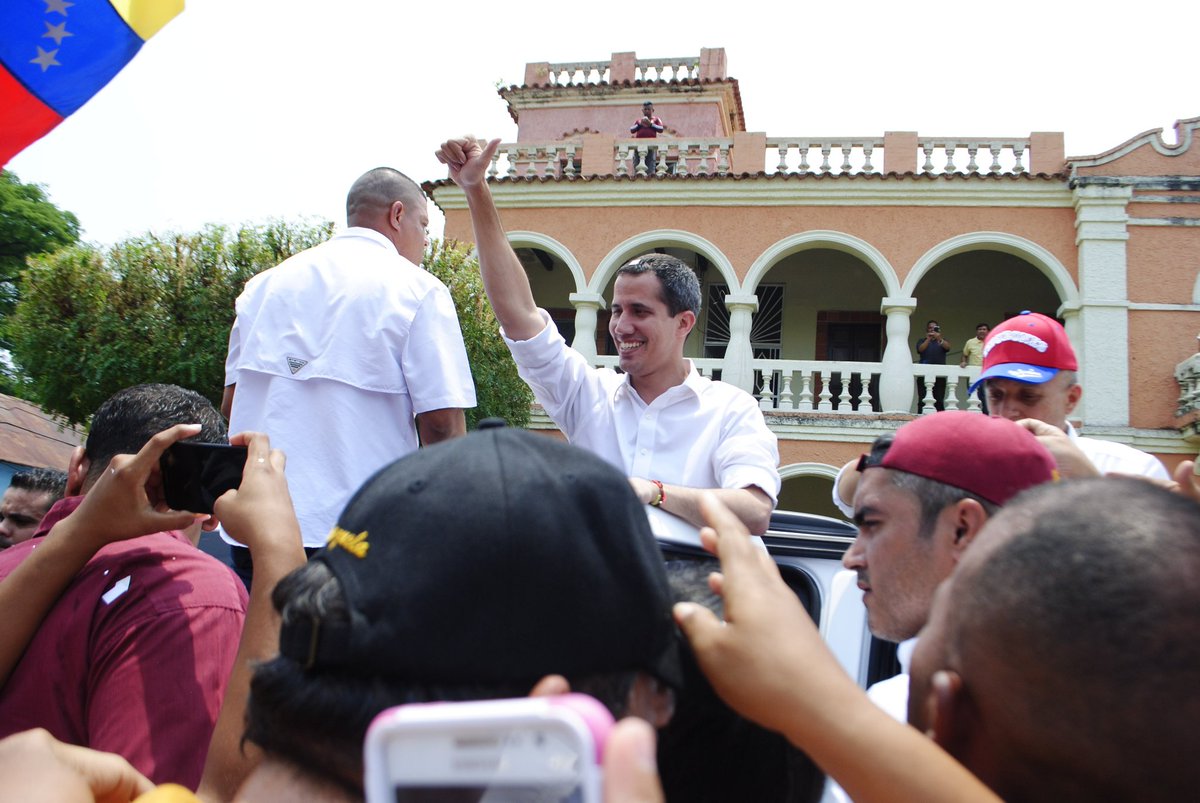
x: 751, y: 505
x: 768, y: 662
x: 123, y: 504
x: 504, y: 278
x: 259, y: 514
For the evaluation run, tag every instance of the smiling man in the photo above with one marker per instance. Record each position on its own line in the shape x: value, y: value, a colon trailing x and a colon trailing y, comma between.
x: 673, y: 432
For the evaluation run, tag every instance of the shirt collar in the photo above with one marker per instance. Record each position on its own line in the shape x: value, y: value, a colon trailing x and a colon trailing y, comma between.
x: 694, y: 382
x: 367, y: 234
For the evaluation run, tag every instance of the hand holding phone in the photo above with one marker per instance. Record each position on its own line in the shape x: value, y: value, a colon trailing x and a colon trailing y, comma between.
x: 194, y: 475
x: 528, y: 749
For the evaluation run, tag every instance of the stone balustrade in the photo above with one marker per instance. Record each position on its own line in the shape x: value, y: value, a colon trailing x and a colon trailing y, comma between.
x: 809, y: 386
x: 749, y: 153
x: 838, y: 155
x: 1187, y: 374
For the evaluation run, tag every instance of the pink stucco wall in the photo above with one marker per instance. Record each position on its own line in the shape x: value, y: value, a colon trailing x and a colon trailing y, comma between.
x: 681, y: 116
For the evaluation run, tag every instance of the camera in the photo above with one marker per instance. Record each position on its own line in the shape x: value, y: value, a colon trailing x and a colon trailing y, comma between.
x: 194, y: 475
x: 937, y: 328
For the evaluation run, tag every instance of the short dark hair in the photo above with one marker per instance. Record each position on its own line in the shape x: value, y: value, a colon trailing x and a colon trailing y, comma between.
x: 680, y: 285
x: 49, y: 481
x: 932, y: 496
x: 130, y: 417
x: 1083, y: 607
x: 317, y: 719
x: 988, y: 325
x: 377, y: 189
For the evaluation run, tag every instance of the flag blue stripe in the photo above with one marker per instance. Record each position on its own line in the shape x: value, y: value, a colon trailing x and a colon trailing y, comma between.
x: 71, y: 71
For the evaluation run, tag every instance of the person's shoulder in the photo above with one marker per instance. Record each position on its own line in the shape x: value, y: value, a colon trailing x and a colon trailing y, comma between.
x: 1120, y: 457
x: 169, y: 567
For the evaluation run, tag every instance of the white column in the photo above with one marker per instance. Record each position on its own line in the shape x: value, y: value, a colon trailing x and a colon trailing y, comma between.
x: 586, y: 306
x: 1071, y: 322
x: 896, y: 383
x: 738, y: 369
x: 1102, y: 333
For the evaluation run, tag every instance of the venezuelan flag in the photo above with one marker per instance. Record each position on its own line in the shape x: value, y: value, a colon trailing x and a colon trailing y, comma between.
x: 55, y: 54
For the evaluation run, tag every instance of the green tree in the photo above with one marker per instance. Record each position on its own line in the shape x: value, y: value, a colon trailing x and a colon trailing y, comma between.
x: 29, y: 224
x: 151, y: 309
x: 158, y: 309
x: 500, y: 391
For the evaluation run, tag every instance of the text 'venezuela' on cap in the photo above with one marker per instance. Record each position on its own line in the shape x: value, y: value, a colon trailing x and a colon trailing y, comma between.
x: 1029, y: 347
x: 993, y: 458
x: 501, y: 556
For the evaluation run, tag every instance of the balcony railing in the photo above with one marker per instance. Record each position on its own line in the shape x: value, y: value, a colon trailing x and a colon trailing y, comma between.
x: 852, y: 387
x: 817, y: 386
x: 575, y: 73
x: 680, y: 156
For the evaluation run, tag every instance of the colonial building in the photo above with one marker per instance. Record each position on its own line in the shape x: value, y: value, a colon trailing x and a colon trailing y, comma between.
x: 822, y: 259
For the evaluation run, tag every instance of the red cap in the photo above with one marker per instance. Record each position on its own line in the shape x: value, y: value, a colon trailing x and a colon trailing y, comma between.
x: 993, y: 458
x: 1030, y: 348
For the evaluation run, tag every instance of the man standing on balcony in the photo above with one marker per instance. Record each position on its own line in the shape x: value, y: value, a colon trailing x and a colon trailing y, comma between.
x: 972, y: 355
x: 675, y: 433
x: 1029, y: 370
x: 647, y: 127
x: 932, y: 350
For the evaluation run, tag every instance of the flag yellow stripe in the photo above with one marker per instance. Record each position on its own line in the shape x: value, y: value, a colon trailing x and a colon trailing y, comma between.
x: 147, y: 16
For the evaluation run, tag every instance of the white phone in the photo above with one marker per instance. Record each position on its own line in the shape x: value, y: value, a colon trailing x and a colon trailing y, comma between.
x: 543, y: 749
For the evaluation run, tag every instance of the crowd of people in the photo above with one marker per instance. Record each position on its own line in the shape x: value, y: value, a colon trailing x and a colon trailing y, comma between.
x: 1044, y: 611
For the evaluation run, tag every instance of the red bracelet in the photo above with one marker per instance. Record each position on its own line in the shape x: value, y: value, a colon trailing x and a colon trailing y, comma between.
x: 662, y: 495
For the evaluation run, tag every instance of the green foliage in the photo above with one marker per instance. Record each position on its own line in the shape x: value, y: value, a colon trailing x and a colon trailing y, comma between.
x: 29, y: 224
x: 151, y: 309
x: 501, y: 392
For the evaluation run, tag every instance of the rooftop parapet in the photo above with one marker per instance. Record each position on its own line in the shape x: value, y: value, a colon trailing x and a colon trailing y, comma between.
x: 628, y: 68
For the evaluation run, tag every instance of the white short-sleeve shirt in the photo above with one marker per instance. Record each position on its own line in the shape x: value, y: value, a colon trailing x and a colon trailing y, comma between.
x: 334, y: 352
x: 700, y: 434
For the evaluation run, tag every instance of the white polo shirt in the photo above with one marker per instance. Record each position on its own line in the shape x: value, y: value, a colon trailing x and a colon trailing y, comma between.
x: 334, y: 352
x: 699, y: 434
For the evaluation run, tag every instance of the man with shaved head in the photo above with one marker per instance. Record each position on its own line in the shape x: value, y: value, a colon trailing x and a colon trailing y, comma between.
x: 1060, y: 661
x: 349, y: 355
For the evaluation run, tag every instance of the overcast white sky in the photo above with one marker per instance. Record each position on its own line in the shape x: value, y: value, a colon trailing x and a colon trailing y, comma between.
x: 245, y: 110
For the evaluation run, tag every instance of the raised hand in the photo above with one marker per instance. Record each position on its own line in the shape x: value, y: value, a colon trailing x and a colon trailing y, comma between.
x: 468, y: 159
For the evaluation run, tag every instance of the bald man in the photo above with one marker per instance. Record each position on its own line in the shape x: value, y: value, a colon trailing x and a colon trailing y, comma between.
x: 346, y: 352
x: 1060, y: 661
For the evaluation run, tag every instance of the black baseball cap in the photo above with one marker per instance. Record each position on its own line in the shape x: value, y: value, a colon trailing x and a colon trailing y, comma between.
x: 498, y: 557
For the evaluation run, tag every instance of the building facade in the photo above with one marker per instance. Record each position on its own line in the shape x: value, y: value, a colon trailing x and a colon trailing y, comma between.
x: 822, y: 260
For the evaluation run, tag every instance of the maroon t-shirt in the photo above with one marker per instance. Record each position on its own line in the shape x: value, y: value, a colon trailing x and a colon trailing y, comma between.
x: 134, y: 657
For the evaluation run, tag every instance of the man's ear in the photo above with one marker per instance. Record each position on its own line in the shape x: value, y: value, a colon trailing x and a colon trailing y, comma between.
x: 549, y: 686
x: 969, y: 518
x: 651, y: 700
x: 946, y: 711
x: 395, y: 213
x: 687, y: 321
x: 1074, y: 394
x: 77, y: 471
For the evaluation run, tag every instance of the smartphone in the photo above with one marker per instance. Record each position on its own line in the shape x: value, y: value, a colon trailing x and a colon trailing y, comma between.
x: 194, y: 475
x: 530, y: 749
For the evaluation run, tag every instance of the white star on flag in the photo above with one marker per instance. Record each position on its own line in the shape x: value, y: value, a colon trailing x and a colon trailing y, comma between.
x: 60, y: 6
x: 57, y: 32
x: 45, y: 59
